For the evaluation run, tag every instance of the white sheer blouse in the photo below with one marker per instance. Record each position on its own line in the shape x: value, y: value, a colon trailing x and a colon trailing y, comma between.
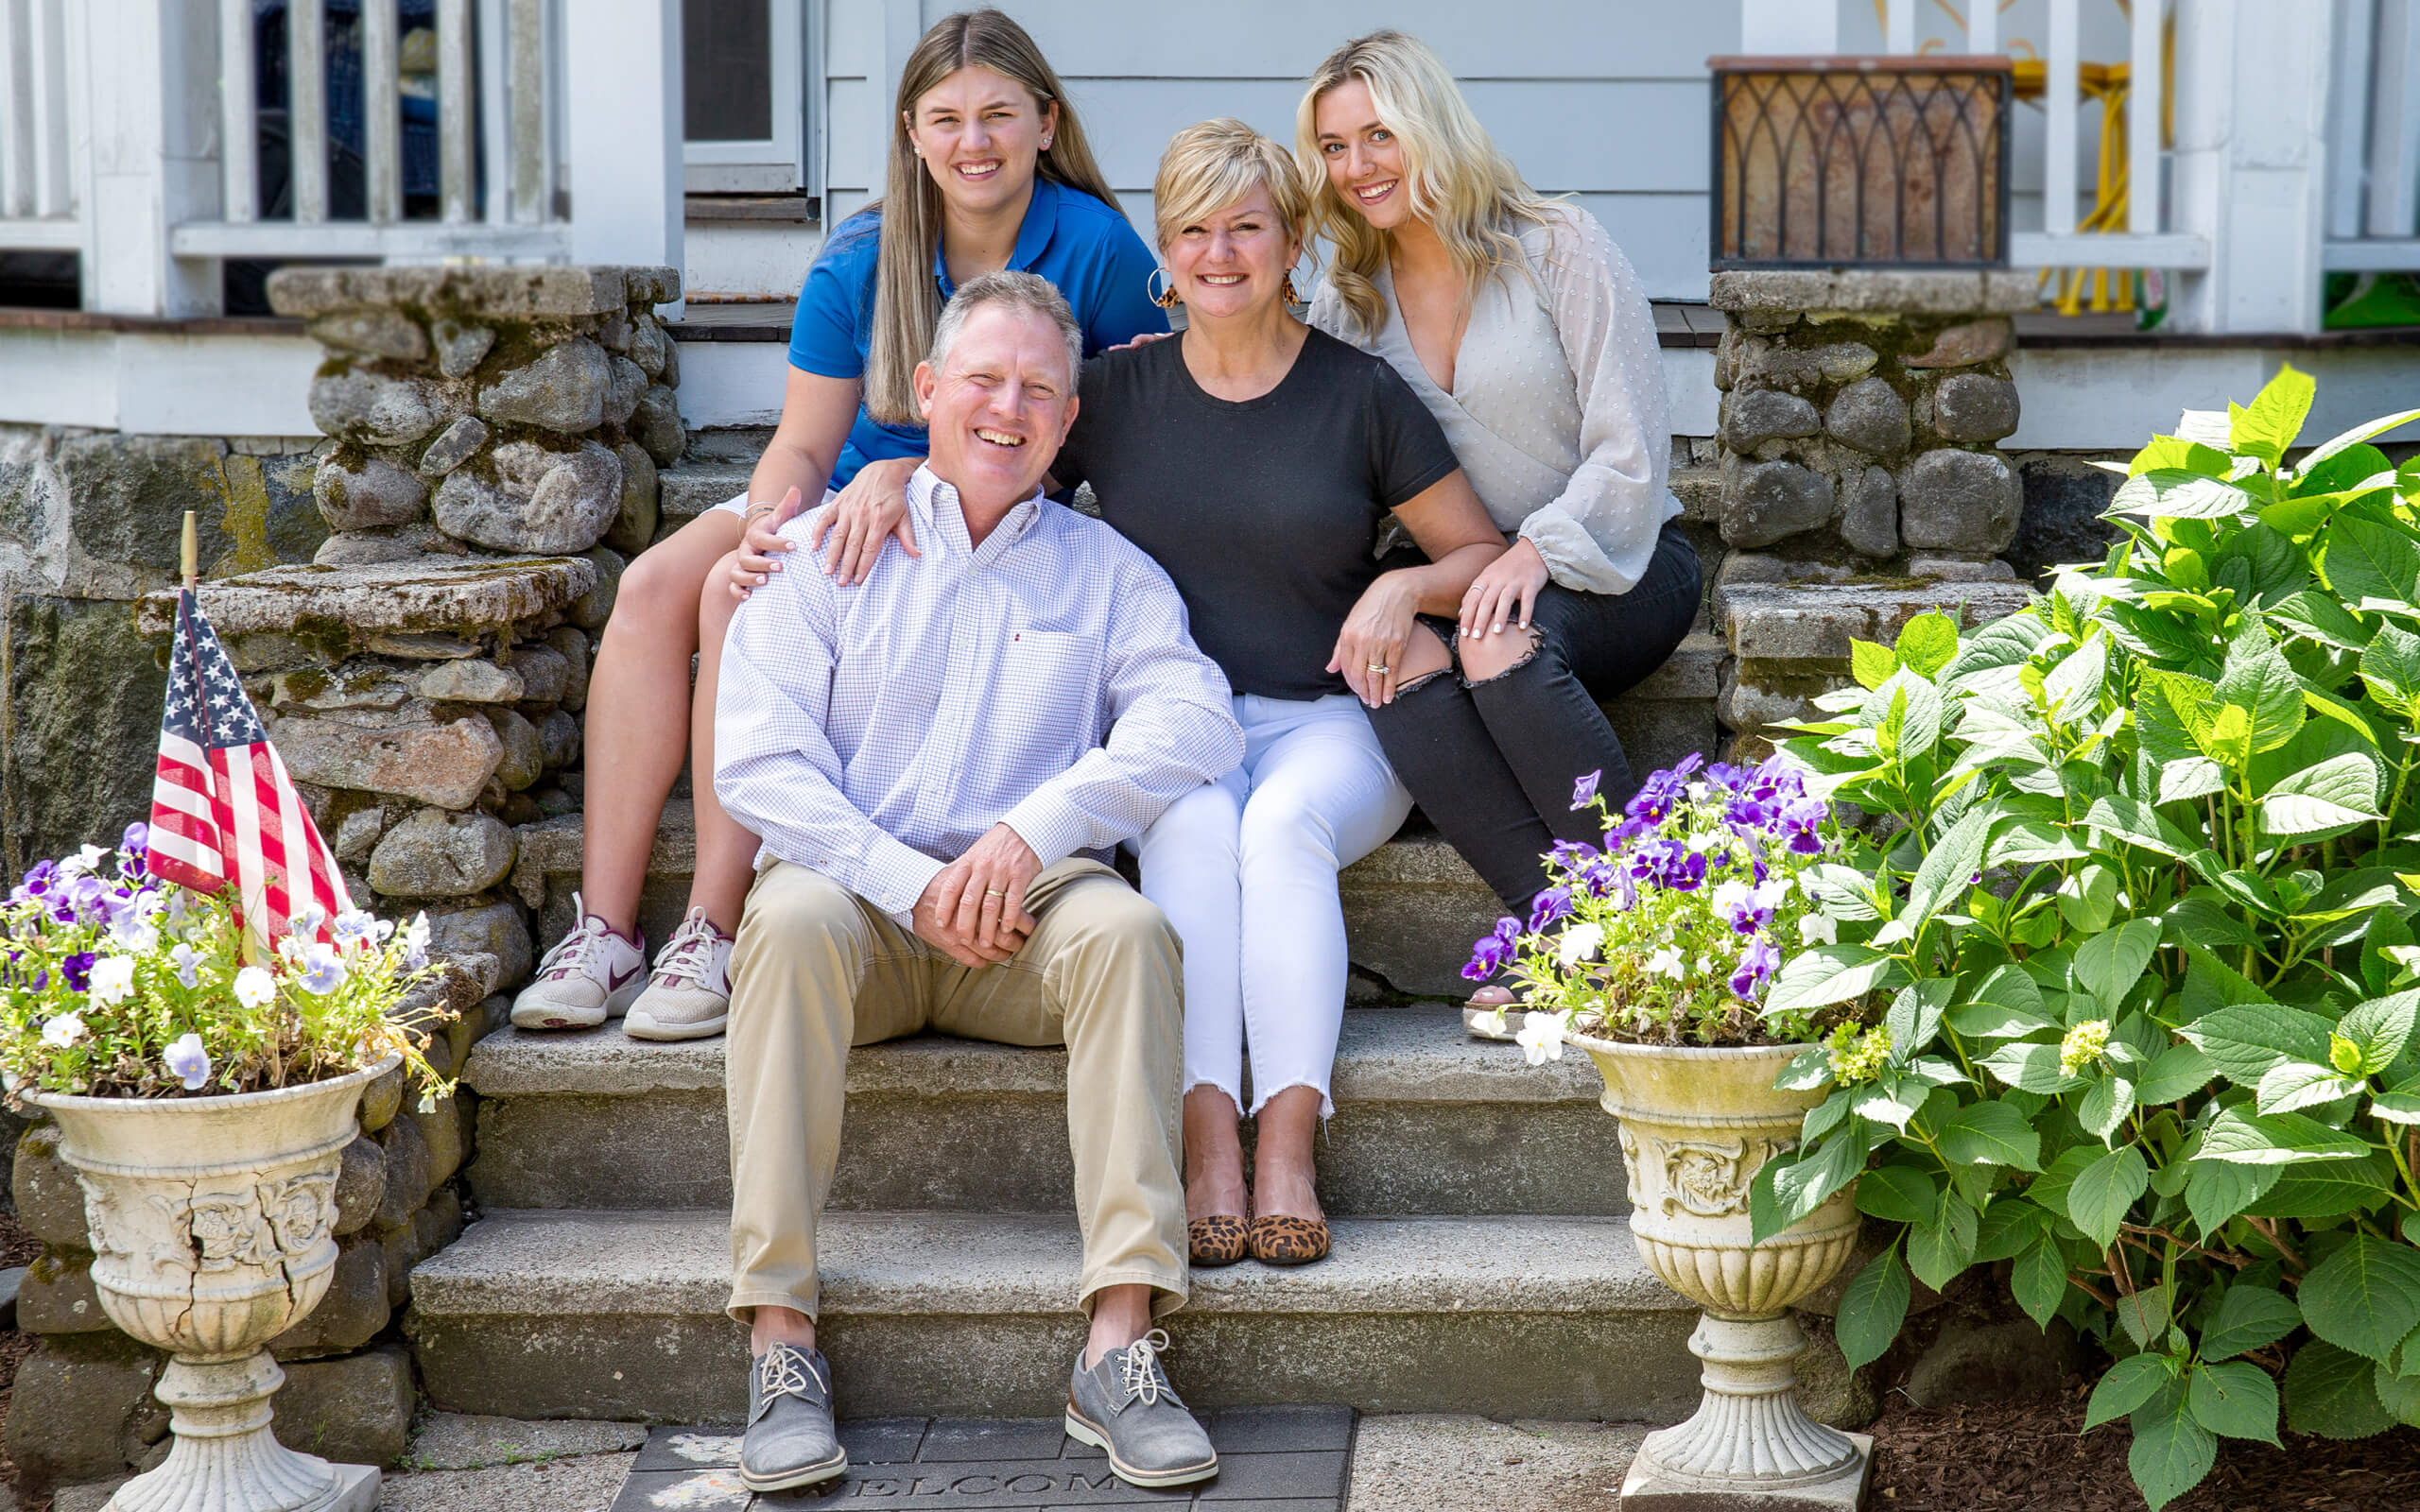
x: 1558, y: 413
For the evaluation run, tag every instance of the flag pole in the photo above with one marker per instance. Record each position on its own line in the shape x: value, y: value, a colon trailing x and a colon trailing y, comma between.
x: 192, y: 553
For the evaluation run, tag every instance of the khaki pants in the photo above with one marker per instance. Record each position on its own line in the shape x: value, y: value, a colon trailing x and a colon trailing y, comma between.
x: 817, y: 969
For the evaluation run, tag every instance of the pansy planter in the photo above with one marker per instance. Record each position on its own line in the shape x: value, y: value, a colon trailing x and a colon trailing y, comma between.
x: 1697, y: 1124
x: 210, y: 1222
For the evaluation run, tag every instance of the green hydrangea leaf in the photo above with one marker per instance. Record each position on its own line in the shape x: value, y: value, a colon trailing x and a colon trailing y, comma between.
x: 2104, y: 1191
x: 2277, y: 1139
x: 1991, y: 1133
x: 2248, y: 1318
x: 2128, y: 1385
x: 2039, y: 1281
x: 1873, y: 1307
x: 2333, y: 1393
x: 2171, y: 1452
x: 2364, y: 1297
x: 2234, y: 1400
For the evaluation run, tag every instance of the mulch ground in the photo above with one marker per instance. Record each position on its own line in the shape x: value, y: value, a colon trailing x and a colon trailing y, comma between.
x: 2030, y: 1455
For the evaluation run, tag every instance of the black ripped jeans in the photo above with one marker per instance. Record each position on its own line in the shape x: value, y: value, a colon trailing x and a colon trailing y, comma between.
x: 1492, y: 763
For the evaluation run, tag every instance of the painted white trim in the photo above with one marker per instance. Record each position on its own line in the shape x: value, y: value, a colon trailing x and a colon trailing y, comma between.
x: 2116, y: 398
x: 2033, y: 248
x: 2373, y: 255
x: 353, y: 238
x: 42, y: 236
x: 159, y: 384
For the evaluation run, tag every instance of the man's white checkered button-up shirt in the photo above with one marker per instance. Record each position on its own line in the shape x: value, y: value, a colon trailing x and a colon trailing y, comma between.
x: 1044, y: 679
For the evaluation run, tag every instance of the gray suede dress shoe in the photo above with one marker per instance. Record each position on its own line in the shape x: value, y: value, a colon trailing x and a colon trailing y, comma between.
x: 1125, y: 1407
x: 790, y: 1442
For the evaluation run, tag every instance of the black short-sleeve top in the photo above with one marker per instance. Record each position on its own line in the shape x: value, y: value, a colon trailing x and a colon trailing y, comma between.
x: 1263, y: 510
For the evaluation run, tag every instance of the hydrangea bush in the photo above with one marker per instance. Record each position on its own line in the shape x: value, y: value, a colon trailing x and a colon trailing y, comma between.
x: 1670, y: 930
x: 2140, y: 889
x: 119, y: 984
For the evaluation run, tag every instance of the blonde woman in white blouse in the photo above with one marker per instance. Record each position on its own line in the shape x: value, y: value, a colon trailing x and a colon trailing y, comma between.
x: 1520, y: 325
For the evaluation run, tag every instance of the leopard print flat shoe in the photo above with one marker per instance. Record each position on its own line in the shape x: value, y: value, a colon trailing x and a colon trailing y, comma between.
x: 1217, y: 1239
x: 1278, y: 1239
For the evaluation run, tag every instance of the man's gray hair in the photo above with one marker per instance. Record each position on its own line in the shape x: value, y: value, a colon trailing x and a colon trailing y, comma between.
x: 1018, y: 291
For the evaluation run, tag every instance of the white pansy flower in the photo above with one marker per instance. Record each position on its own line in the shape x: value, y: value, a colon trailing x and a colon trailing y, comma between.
x: 1771, y: 892
x: 1579, y: 943
x: 1729, y: 896
x: 135, y: 931
x: 1493, y: 1022
x: 113, y: 978
x: 254, y: 987
x: 1698, y: 792
x: 1818, y: 929
x: 1667, y: 962
x: 189, y: 1062
x: 1541, y: 1037
x: 188, y: 960
x: 62, y: 1031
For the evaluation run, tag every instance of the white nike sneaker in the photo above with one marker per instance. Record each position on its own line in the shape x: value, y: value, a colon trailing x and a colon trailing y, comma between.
x: 688, y: 996
x: 590, y: 977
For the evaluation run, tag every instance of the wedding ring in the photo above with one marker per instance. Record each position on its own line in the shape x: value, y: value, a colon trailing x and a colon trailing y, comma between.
x: 993, y: 892
x: 1378, y: 667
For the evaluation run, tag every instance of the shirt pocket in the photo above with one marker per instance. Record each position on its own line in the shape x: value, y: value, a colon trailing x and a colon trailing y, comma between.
x: 1051, y: 688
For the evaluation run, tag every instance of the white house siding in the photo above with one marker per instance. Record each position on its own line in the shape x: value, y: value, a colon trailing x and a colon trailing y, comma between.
x: 1602, y: 99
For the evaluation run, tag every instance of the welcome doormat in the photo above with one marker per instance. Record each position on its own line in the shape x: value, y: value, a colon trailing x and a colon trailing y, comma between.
x: 1270, y: 1459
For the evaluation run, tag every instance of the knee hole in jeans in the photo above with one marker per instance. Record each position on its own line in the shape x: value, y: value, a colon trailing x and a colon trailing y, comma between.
x: 1472, y: 677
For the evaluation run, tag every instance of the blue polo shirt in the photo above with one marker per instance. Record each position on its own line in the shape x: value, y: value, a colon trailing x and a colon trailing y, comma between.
x: 1085, y: 248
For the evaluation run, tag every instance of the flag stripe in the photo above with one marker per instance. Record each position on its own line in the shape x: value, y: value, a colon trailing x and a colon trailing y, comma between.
x: 223, y: 808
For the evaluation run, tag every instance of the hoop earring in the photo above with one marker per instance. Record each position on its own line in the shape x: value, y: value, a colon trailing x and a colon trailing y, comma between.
x: 1166, y: 299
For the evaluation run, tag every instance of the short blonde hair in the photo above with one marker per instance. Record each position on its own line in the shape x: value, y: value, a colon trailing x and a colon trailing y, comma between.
x: 1210, y: 166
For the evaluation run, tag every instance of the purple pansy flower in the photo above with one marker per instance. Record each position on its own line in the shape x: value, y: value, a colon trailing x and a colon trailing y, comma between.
x: 1547, y: 906
x: 1758, y: 964
x: 1801, y: 824
x: 1493, y: 950
x: 77, y: 971
x: 1585, y: 789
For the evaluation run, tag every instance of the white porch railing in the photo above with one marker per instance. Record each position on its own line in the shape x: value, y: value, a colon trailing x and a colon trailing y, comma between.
x: 39, y: 201
x: 2221, y: 186
x: 2373, y: 138
x: 130, y: 132
x: 494, y: 110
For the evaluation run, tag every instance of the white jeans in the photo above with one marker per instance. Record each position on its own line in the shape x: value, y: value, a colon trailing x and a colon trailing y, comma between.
x: 1245, y: 868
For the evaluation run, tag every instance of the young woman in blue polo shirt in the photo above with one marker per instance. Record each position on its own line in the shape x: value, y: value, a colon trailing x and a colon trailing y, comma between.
x: 988, y: 169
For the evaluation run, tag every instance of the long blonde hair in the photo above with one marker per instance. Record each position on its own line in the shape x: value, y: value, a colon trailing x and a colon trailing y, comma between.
x: 907, y: 306
x: 1465, y: 188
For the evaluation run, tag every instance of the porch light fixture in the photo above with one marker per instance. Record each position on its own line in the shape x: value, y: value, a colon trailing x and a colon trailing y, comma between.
x: 1860, y: 161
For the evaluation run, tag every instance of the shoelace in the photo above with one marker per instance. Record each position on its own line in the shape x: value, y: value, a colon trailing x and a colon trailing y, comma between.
x: 1145, y: 1381
x: 785, y: 1371
x: 688, y: 957
x: 570, y: 955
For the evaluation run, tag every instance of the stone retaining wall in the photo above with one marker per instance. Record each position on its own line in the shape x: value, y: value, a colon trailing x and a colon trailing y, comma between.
x: 1861, y: 483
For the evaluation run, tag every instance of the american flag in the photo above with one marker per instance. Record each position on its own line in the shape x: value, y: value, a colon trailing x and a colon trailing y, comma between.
x: 222, y: 807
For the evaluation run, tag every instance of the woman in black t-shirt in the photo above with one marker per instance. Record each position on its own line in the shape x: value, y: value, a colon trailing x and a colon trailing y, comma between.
x: 1255, y: 459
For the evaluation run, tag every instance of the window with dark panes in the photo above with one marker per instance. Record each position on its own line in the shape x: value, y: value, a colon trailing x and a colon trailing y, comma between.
x: 727, y: 68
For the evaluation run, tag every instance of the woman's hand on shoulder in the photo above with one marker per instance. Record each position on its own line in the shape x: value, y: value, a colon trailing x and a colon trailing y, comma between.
x: 871, y: 509
x: 1140, y: 339
x: 761, y: 545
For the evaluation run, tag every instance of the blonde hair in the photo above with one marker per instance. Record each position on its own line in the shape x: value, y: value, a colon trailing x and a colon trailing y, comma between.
x: 1210, y: 166
x: 1465, y: 188
x: 907, y: 306
x: 1010, y: 290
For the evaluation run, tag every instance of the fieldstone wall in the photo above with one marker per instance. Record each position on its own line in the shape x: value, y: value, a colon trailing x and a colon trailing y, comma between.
x: 89, y: 522
x: 82, y: 1408
x: 413, y: 611
x: 1861, y: 483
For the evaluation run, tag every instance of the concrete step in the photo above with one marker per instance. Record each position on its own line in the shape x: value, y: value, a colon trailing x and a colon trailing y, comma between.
x: 1427, y: 1121
x: 1413, y: 906
x: 691, y: 488
x: 619, y: 1316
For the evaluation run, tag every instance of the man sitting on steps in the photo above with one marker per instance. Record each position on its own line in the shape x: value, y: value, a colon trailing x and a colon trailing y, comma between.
x: 934, y: 759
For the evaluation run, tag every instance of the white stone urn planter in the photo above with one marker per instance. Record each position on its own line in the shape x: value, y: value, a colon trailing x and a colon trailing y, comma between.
x: 1697, y: 1124
x: 209, y: 1220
